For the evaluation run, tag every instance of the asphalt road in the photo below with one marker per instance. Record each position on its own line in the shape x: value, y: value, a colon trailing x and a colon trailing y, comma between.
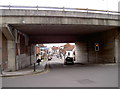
x: 60, y: 75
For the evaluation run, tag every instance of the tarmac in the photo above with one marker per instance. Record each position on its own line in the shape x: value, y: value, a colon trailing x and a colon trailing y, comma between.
x: 30, y: 70
x: 26, y: 71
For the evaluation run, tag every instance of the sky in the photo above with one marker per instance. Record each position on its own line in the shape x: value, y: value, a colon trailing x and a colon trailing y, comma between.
x: 57, y: 44
x: 91, y: 4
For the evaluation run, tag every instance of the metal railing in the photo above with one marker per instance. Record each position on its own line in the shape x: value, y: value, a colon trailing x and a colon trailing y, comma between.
x: 58, y: 8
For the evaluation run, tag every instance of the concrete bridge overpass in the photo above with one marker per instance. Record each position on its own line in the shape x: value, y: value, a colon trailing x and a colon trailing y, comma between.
x: 39, y: 24
x: 53, y: 26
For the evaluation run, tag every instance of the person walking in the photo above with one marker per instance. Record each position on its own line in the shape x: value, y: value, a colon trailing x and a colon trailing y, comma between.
x: 38, y: 61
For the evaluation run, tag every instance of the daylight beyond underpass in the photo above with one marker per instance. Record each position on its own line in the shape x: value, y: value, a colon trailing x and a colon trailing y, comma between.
x: 60, y: 75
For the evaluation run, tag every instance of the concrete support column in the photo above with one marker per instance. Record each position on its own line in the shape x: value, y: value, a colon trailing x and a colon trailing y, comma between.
x: 0, y: 47
x: 0, y: 55
x: 119, y: 50
x: 11, y: 55
x: 81, y: 52
x: 117, y: 47
x: 116, y: 50
x: 0, y: 38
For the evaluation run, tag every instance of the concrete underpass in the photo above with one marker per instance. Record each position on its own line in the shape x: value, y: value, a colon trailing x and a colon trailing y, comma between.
x: 23, y: 29
x: 84, y: 36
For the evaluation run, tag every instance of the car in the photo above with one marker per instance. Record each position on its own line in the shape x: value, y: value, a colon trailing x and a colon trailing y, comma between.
x: 49, y: 58
x: 68, y: 60
x: 69, y: 57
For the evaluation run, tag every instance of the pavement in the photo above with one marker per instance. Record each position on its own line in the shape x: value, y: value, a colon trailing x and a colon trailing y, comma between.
x: 26, y: 71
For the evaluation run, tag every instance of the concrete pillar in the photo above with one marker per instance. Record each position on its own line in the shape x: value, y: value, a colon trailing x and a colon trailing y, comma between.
x: 10, y: 48
x: 11, y: 55
x: 106, y: 53
x: 4, y: 53
x: 0, y: 46
x: 0, y: 38
x: 119, y: 50
x: 0, y: 55
x: 81, y: 54
x: 116, y: 50
x: 117, y: 46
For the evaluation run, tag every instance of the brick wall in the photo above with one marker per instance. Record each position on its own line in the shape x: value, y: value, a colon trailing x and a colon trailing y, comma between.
x: 24, y: 51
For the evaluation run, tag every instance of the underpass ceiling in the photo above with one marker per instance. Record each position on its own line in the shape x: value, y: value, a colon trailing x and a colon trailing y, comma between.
x: 44, y: 29
x: 58, y: 33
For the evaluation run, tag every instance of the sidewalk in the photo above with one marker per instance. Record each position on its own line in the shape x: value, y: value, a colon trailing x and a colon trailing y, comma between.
x: 27, y: 71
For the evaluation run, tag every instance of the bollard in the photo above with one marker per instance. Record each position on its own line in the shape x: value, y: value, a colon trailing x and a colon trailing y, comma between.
x: 34, y: 67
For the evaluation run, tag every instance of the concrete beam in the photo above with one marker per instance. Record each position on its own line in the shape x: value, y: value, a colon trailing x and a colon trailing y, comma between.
x: 53, y: 39
x: 58, y: 20
x: 8, y: 34
x: 51, y: 13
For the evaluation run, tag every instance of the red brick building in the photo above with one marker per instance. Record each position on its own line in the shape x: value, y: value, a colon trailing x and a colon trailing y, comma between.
x: 67, y: 47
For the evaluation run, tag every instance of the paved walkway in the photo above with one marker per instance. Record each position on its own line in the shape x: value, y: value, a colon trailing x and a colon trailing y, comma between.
x: 27, y: 71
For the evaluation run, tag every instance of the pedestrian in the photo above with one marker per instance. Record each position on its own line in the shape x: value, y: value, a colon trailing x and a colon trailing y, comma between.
x: 38, y: 61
